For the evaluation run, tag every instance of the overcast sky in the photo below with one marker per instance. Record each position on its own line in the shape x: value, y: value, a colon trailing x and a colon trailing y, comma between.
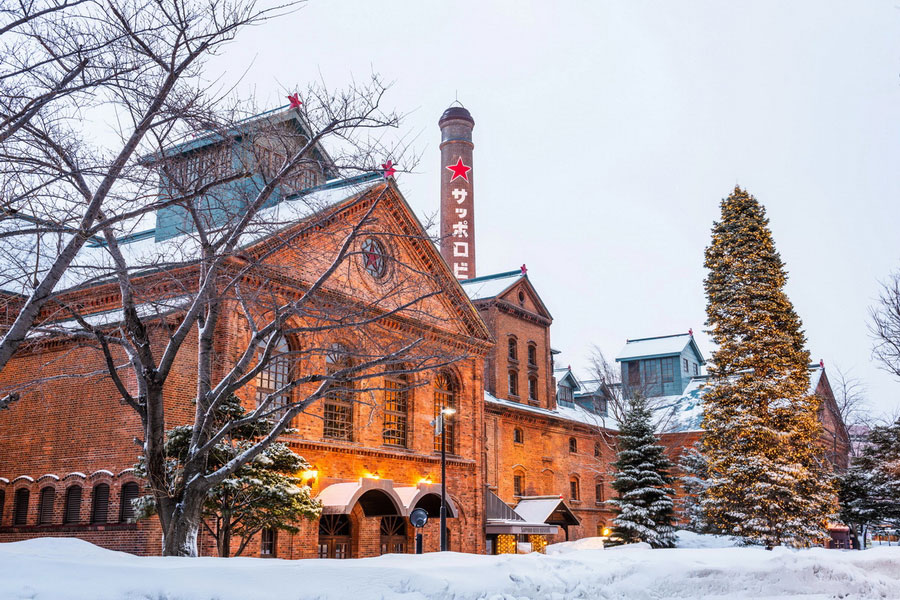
x: 607, y: 133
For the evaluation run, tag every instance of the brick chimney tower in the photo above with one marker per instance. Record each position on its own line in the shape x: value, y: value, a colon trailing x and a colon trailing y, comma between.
x: 457, y: 206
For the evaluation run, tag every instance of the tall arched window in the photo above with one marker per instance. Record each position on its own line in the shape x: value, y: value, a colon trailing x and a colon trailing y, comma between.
x: 20, y: 507
x: 446, y: 392
x: 100, y: 503
x: 126, y: 508
x: 72, y: 512
x: 532, y: 388
x: 574, y: 488
x: 45, y: 505
x: 532, y: 354
x: 274, y: 377
x: 573, y: 445
x: 396, y: 410
x: 512, y: 348
x: 338, y: 404
x: 513, y: 382
x: 598, y: 491
x: 518, y: 436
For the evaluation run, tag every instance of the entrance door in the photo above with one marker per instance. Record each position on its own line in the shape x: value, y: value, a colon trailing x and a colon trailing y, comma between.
x: 334, y: 536
x: 393, y: 535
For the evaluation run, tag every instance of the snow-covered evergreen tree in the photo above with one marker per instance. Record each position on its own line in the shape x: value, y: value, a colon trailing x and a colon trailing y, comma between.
x: 645, y: 507
x: 265, y: 493
x: 694, y: 481
x: 768, y: 481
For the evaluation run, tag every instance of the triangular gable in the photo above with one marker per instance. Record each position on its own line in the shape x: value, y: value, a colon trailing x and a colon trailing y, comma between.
x: 531, y: 300
x: 552, y: 510
x: 398, y: 217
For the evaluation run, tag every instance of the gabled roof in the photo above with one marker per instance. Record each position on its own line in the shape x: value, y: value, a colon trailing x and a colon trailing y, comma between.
x: 546, y: 509
x: 488, y: 287
x: 665, y: 345
x: 566, y: 373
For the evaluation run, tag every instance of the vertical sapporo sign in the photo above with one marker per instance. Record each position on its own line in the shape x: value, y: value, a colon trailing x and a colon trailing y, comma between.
x: 457, y: 202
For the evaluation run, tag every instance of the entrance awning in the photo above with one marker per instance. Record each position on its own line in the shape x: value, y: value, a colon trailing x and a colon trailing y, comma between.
x: 377, y: 498
x: 499, y: 526
x: 426, y: 496
x: 546, y: 509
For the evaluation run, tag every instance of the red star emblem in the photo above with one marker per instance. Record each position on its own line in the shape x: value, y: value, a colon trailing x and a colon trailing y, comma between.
x: 371, y: 260
x: 459, y: 170
x: 294, y: 99
x: 389, y: 169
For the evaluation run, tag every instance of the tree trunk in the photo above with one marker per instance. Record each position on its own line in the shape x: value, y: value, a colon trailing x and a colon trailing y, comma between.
x: 180, y: 539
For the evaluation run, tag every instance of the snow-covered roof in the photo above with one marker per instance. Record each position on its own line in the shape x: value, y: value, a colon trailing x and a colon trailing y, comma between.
x: 575, y: 413
x: 490, y: 286
x: 684, y: 413
x: 19, y: 254
x: 537, y: 510
x: 657, y: 346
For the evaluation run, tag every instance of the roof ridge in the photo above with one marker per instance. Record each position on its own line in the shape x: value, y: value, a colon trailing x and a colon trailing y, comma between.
x: 658, y: 337
x: 490, y: 277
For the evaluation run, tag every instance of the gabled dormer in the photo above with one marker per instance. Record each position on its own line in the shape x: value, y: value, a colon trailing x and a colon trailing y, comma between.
x: 660, y: 366
x: 236, y: 164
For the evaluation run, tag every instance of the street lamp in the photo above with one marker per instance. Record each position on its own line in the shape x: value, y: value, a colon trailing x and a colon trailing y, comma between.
x: 439, y: 430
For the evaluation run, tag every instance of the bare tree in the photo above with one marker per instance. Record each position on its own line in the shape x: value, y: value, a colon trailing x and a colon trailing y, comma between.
x: 884, y: 325
x: 850, y: 396
x: 67, y: 65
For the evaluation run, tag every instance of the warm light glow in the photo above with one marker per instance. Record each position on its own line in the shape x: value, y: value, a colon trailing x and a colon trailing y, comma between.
x: 606, y: 532
x: 448, y: 411
x: 425, y: 480
x: 309, y: 474
x: 372, y: 476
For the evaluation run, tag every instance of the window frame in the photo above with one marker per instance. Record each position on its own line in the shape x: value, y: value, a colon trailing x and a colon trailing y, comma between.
x: 518, y: 435
x: 46, y: 505
x: 512, y: 382
x: 573, y: 445
x: 575, y: 488
x: 512, y: 349
x: 338, y: 422
x: 533, y: 388
x: 395, y: 408
x: 21, y: 506
x: 518, y: 483
x: 126, y: 508
x: 72, y: 504
x: 100, y: 504
x: 446, y: 397
x: 532, y: 355
x: 268, y: 548
x: 277, y: 373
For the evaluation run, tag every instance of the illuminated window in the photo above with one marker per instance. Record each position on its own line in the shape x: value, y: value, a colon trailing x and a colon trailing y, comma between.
x: 513, y: 382
x: 271, y: 381
x: 396, y: 410
x: 446, y: 391
x: 573, y: 445
x: 518, y: 436
x: 338, y: 404
x: 574, y: 488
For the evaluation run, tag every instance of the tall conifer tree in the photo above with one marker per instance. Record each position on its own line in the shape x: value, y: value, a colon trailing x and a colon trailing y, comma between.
x: 644, y: 502
x: 768, y: 482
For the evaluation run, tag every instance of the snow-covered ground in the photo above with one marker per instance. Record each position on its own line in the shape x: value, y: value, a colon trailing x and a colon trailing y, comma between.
x: 61, y: 569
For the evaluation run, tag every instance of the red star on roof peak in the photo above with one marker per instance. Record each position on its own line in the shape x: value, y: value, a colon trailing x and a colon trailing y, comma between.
x: 294, y: 99
x: 389, y: 169
x: 459, y: 170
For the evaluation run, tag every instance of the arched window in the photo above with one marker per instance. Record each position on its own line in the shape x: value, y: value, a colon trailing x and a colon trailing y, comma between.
x: 446, y: 392
x: 532, y: 354
x: 72, y: 512
x: 513, y: 382
x: 126, y: 507
x: 268, y: 542
x: 274, y: 377
x: 45, y: 505
x: 396, y: 410
x: 518, y: 483
x: 20, y: 507
x: 393, y: 535
x: 512, y: 349
x: 338, y: 405
x: 574, y: 488
x: 597, y: 450
x: 100, y: 503
x: 532, y: 387
x: 598, y: 491
x: 518, y: 436
x: 573, y: 445
x: 334, y: 536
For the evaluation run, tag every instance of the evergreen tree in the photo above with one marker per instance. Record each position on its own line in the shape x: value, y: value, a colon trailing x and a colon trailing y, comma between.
x: 869, y: 491
x: 694, y: 481
x: 642, y: 480
x: 768, y: 482
x: 265, y: 493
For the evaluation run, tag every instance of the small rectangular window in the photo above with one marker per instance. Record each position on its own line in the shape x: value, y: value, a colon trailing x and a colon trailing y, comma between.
x: 518, y: 481
x: 685, y: 362
x: 668, y: 370
x: 696, y: 369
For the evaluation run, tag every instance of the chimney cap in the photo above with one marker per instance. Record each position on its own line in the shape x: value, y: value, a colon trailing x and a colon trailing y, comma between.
x: 456, y: 112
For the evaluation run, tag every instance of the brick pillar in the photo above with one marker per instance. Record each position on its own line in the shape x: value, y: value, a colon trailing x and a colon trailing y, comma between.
x: 457, y: 206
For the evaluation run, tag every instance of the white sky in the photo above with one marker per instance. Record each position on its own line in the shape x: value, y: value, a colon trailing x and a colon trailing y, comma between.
x: 607, y: 133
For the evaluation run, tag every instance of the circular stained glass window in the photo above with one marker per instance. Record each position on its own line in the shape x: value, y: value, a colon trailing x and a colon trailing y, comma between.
x: 374, y: 258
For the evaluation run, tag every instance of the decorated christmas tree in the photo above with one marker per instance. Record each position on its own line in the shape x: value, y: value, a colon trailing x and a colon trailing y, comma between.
x: 767, y: 479
x: 642, y: 480
x: 694, y: 481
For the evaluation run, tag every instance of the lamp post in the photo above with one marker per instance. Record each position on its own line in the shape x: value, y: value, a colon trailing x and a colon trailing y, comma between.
x: 439, y: 430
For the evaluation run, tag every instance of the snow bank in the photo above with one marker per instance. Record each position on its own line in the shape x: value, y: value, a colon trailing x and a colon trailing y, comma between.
x: 72, y: 569
x: 590, y: 543
x: 689, y: 539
